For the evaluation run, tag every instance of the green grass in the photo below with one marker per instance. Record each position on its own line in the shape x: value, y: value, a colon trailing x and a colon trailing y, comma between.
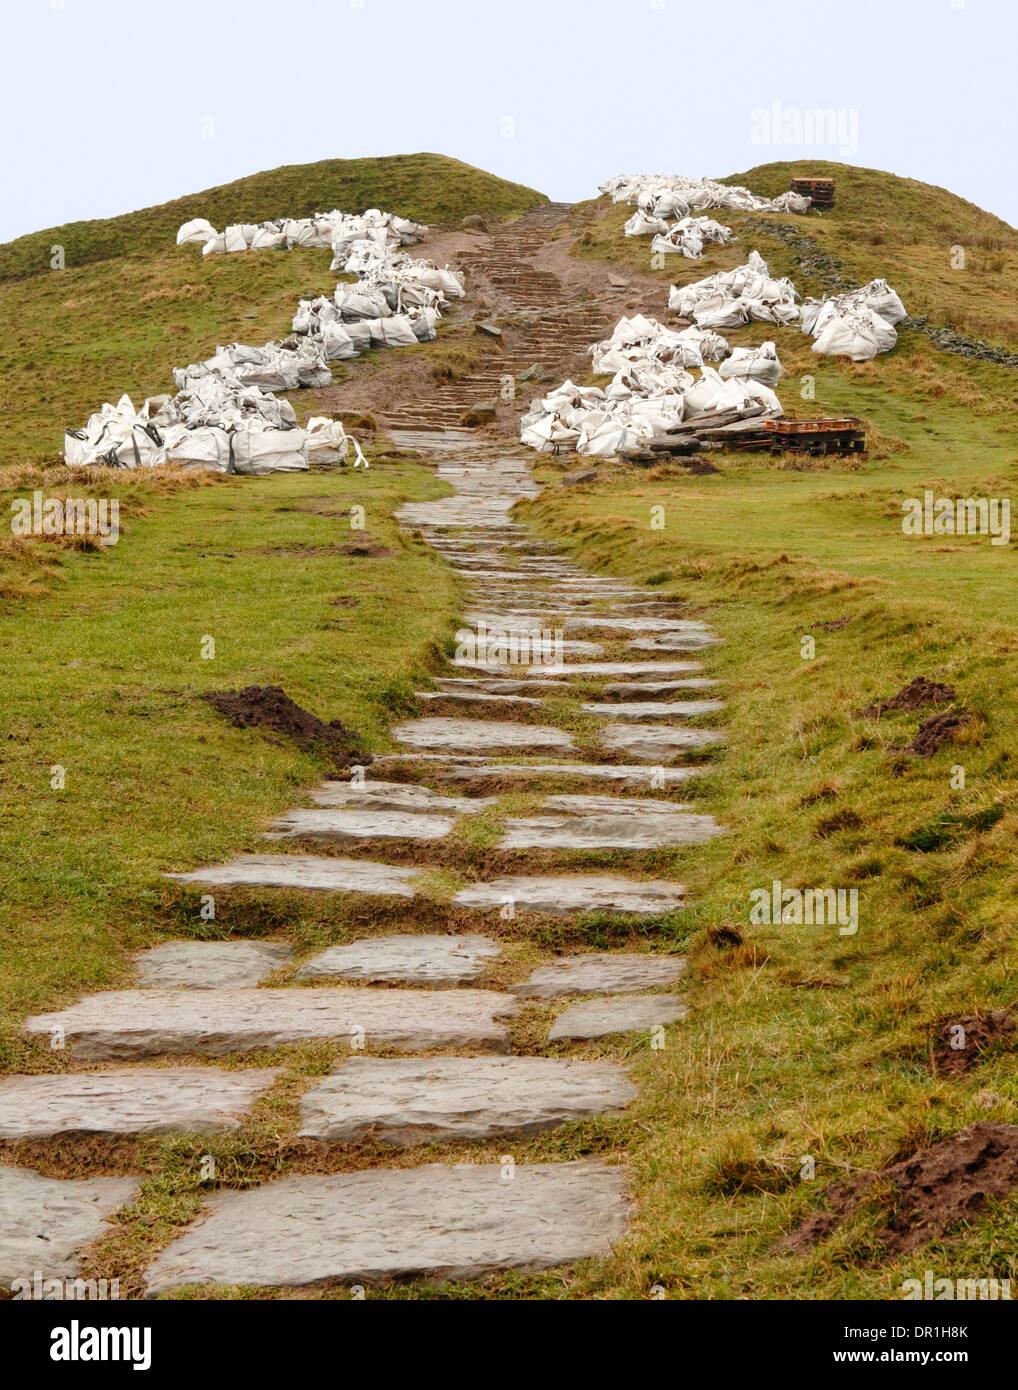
x: 131, y: 305
x: 102, y: 674
x: 427, y: 187
x: 800, y: 1041
x: 881, y: 225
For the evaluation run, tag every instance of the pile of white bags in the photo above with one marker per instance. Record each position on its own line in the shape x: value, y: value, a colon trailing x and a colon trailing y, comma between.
x: 333, y: 229
x: 673, y: 195
x: 752, y: 364
x: 859, y: 324
x: 651, y: 391
x: 118, y: 436
x: 733, y: 297
x: 690, y: 235
x: 641, y: 341
x: 225, y: 415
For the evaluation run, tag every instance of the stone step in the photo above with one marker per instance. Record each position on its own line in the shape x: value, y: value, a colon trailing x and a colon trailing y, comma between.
x: 397, y: 796
x: 664, y: 830
x: 349, y: 826
x: 209, y: 964
x: 622, y: 774
x: 150, y: 1023
x: 45, y: 1222
x: 439, y: 1220
x: 406, y: 958
x: 405, y: 1101
x: 307, y: 871
x: 600, y: 1018
x: 478, y: 735
x: 655, y: 743
x: 149, y: 1100
x: 654, y: 709
x: 602, y: 972
x: 560, y: 895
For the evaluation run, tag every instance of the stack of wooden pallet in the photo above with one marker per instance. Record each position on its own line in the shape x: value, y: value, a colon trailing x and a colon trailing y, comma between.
x: 753, y: 433
x: 821, y: 191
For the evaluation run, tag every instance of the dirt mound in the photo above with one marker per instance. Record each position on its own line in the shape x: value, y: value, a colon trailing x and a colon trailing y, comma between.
x: 269, y: 707
x: 916, y: 695
x: 961, y: 1042
x: 933, y: 732
x: 930, y: 1193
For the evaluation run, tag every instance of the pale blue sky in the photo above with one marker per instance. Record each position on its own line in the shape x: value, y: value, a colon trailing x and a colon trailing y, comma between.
x: 106, y: 103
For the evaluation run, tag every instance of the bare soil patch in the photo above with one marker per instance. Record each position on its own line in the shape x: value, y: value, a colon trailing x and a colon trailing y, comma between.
x: 916, y: 695
x: 269, y: 707
x: 961, y: 1042
x: 931, y: 1193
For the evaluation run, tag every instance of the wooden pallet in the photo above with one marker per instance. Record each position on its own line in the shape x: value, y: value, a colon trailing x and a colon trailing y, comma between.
x: 821, y: 191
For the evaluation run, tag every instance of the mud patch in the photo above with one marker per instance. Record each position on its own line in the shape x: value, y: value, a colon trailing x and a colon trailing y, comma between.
x: 930, y: 1193
x: 269, y: 707
x: 359, y: 549
x: 962, y: 1042
x: 932, y: 732
x: 916, y: 695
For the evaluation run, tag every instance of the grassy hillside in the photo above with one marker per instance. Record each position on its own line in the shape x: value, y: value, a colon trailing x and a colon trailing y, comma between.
x: 881, y: 225
x: 428, y: 187
x: 131, y: 305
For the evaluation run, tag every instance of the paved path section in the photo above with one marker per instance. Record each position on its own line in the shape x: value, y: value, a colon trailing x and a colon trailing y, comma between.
x: 569, y: 723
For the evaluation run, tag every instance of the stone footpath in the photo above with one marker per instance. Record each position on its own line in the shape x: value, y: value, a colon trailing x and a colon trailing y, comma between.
x: 489, y: 725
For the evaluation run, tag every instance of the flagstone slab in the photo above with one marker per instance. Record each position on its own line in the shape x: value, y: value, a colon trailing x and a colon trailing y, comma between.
x: 150, y: 1100
x: 600, y: 1018
x: 307, y: 871
x: 349, y: 826
x: 648, y: 623
x: 418, y: 1101
x: 654, y: 709
x: 575, y: 893
x: 397, y: 796
x: 648, y: 688
x: 437, y: 1220
x: 591, y: 804
x: 620, y: 773
x: 673, y: 642
x: 601, y: 972
x: 624, y: 668
x: 478, y: 697
x: 45, y: 1222
x: 499, y: 685
x: 149, y: 1023
x: 209, y: 964
x: 655, y: 742
x: 662, y: 830
x: 478, y: 735
x: 412, y: 959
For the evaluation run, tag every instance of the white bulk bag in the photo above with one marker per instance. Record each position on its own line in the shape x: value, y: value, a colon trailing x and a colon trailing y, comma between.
x: 859, y: 334
x: 879, y: 297
x: 337, y: 343
x: 208, y: 447
x: 395, y: 331
x: 258, y: 451
x: 196, y: 230
x: 234, y: 238
x: 760, y: 364
x: 325, y: 441
x: 267, y: 238
x: 215, y: 246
